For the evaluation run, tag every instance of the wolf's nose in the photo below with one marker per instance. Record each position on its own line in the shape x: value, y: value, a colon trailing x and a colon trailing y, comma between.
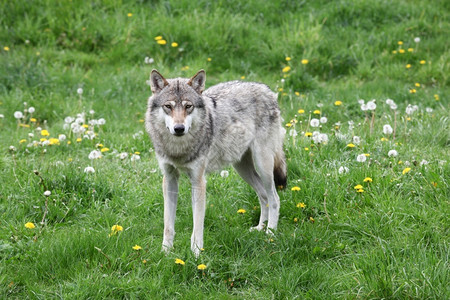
x: 179, y: 129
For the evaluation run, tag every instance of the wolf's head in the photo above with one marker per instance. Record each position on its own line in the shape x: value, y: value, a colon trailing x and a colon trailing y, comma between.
x: 177, y: 100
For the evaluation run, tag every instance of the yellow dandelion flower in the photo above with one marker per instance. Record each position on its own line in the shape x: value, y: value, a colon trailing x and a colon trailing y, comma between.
x: 367, y: 154
x: 360, y: 191
x: 401, y: 51
x: 394, y: 52
x: 288, y: 124
x: 417, y: 84
x: 161, y: 42
x: 297, y: 93
x: 408, y: 66
x: 288, y: 58
x: 436, y: 97
x: 367, y: 179
x: 301, y: 205
x: 308, y: 134
x: 43, y: 139
x: 351, y: 145
x: 311, y: 219
x: 179, y: 262
x: 22, y: 141
x: 304, y: 61
x: 422, y: 62
x: 338, y: 103
x: 115, y: 229
x: 33, y: 120
x: 6, y: 48
x: 99, y: 145
x: 412, y: 91
x: 301, y: 111
x: 241, y: 211
x: 137, y: 152
x: 30, y: 225
x: 201, y: 267
x: 53, y: 141
x: 316, y: 112
x: 400, y: 43
x: 209, y: 59
x: 295, y: 220
x: 85, y: 126
x: 383, y: 139
x: 24, y: 125
x: 410, y: 49
x: 137, y: 247
x: 129, y: 15
x: 406, y: 170
x: 286, y: 69
x: 400, y: 162
x: 242, y: 77
x: 357, y: 187
x: 104, y: 149
x: 295, y: 189
x: 157, y: 38
x: 306, y: 149
x: 280, y: 89
x: 45, y: 132
x: 174, y: 44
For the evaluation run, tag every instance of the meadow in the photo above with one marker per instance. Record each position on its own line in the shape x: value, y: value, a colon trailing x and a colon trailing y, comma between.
x: 363, y: 89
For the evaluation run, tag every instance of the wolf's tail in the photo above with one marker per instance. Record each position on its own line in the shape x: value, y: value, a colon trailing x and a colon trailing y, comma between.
x: 280, y: 170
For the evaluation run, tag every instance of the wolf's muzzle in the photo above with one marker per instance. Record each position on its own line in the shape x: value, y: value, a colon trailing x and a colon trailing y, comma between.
x: 179, y: 129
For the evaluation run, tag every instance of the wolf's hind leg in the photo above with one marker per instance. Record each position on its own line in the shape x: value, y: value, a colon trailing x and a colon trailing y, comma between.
x: 264, y: 163
x: 247, y: 171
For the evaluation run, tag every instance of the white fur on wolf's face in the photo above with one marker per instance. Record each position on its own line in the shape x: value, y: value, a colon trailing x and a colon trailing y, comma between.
x: 178, y: 115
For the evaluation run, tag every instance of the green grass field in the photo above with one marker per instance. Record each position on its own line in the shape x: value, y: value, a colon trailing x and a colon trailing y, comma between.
x: 349, y: 229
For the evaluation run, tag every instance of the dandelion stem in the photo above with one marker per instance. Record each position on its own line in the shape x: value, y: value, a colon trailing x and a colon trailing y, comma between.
x: 372, y: 122
x: 325, y: 205
x: 103, y: 253
x: 395, y: 125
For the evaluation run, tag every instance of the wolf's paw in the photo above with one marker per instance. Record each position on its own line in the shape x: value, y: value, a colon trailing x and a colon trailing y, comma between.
x: 258, y: 228
x: 166, y: 249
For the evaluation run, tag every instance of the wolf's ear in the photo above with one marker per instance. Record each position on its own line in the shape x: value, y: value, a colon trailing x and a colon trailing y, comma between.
x: 157, y: 82
x: 198, y: 81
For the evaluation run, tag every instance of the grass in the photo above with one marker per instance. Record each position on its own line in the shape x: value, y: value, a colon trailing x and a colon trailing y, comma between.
x: 389, y: 240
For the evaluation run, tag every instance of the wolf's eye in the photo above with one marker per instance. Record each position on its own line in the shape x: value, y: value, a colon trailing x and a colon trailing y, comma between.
x: 188, y: 106
x: 168, y: 106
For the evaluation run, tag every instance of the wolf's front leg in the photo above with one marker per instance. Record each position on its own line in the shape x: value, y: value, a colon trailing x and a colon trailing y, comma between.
x: 198, y: 209
x: 170, y: 191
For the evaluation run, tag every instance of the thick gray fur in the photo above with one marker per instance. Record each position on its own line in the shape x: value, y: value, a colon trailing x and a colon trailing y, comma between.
x: 232, y: 123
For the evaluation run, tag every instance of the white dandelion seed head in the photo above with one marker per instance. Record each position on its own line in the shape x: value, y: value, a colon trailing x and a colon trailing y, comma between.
x: 123, y: 155
x: 2, y: 116
x: 293, y: 133
x: 387, y: 129
x: 429, y: 110
x: 95, y: 154
x: 79, y: 91
x: 361, y: 101
x: 101, y: 121
x: 389, y: 101
x: 135, y: 157
x: 393, y: 106
x: 343, y: 170
x: 12, y: 148
x: 18, y: 115
x: 224, y: 174
x: 62, y: 137
x: 424, y: 162
x: 371, y: 105
x: 361, y: 158
x: 47, y: 193
x: 392, y: 153
x: 31, y: 135
x: 314, y: 122
x: 149, y: 60
x: 68, y: 120
x: 356, y: 140
x: 417, y: 39
x: 323, y: 120
x: 31, y: 109
x: 89, y: 170
x: 364, y: 107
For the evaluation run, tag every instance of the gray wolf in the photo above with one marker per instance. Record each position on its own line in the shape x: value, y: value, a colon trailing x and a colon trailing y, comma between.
x: 196, y: 132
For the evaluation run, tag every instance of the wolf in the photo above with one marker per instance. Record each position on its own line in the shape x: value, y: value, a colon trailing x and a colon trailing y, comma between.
x: 198, y: 131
